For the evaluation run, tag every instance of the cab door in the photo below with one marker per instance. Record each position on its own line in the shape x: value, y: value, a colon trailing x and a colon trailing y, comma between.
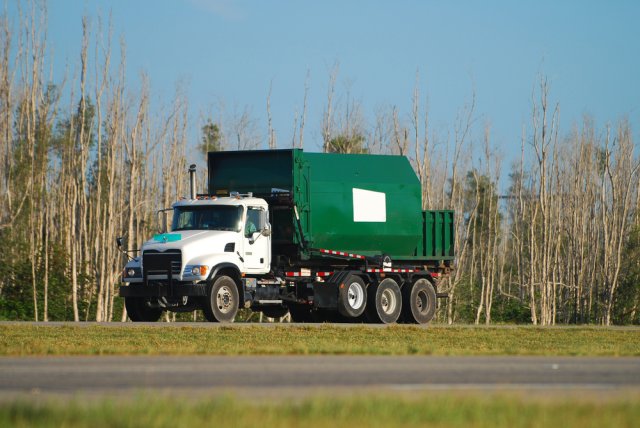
x: 257, y: 240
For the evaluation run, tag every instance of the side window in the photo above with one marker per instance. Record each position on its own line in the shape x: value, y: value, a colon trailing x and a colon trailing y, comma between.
x: 253, y: 221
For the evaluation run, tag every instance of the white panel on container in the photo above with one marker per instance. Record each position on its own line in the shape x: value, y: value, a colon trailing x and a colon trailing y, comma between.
x: 369, y: 206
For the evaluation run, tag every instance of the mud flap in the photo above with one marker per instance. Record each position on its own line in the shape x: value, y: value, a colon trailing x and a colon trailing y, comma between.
x: 325, y: 295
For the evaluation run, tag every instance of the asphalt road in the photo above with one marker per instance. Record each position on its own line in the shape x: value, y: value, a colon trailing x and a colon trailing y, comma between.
x: 274, y: 376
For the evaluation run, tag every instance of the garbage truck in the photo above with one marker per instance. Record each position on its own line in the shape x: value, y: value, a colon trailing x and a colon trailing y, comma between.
x: 321, y: 236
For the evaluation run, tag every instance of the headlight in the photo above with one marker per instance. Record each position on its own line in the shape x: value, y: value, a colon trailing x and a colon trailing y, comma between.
x: 130, y: 272
x: 199, y: 271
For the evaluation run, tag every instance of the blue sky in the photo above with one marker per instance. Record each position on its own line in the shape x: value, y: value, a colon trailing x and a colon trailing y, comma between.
x: 234, y: 50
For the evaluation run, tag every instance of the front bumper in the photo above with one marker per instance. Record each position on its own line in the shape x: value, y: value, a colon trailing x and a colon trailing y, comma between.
x: 163, y: 290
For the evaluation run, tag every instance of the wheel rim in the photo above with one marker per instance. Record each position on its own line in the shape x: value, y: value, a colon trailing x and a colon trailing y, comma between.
x: 355, y: 295
x: 388, y: 301
x: 224, y: 299
x: 421, y: 301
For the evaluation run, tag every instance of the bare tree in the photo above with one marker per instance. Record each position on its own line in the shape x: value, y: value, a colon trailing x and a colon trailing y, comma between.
x: 271, y: 131
x: 303, y: 117
x: 619, y: 184
x: 327, y: 116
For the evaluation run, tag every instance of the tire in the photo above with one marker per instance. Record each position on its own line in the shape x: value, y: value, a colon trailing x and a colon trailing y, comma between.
x: 418, y: 302
x: 139, y: 311
x: 275, y: 311
x: 352, y: 297
x: 385, y: 302
x: 221, y: 303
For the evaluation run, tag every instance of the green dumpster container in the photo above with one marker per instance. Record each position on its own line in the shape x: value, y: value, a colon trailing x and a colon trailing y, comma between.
x: 358, y: 203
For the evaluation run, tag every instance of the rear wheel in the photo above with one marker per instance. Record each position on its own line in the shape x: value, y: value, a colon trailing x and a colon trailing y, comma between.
x: 221, y: 303
x: 352, y: 297
x: 419, y: 302
x: 139, y: 310
x: 385, y: 302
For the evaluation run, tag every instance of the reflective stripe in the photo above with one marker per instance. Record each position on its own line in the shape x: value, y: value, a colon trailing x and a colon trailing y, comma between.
x: 307, y: 274
x: 342, y: 253
x: 324, y: 273
x: 292, y: 273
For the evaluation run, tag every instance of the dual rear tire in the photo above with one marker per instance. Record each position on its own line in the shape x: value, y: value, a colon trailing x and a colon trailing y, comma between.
x: 419, y: 302
x: 384, y: 302
x: 414, y: 304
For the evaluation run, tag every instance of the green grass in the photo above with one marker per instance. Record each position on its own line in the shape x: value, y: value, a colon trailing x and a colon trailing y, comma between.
x: 23, y: 339
x: 353, y: 412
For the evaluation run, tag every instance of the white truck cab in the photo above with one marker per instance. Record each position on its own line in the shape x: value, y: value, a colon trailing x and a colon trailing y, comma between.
x: 213, y: 243
x: 208, y: 233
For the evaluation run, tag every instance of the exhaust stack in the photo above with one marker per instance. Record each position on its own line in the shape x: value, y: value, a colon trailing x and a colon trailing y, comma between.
x: 192, y: 180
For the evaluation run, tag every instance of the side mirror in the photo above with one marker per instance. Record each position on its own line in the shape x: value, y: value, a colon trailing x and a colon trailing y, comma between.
x: 255, y: 235
x: 161, y: 219
x: 119, y: 243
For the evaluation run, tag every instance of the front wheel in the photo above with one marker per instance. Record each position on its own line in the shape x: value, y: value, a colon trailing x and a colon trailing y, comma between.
x: 221, y: 303
x: 139, y: 310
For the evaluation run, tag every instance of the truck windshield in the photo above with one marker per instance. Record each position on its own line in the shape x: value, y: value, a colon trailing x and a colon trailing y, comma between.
x: 216, y: 217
